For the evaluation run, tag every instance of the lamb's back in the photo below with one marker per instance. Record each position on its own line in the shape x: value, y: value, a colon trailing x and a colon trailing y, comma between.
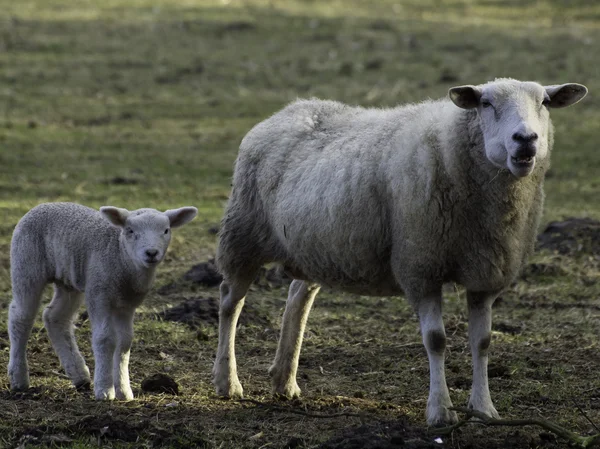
x: 60, y: 240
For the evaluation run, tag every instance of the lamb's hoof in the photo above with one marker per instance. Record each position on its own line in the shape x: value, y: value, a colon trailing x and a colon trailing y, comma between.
x: 441, y: 417
x: 20, y: 387
x: 19, y: 377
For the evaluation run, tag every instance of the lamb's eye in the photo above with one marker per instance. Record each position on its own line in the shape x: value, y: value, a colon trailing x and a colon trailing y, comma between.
x: 129, y: 231
x: 485, y: 104
x: 166, y: 231
x: 546, y: 102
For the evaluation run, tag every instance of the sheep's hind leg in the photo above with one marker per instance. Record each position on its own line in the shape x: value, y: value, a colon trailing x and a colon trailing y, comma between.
x: 225, y: 376
x: 283, y: 371
x: 480, y: 334
x: 27, y: 296
x: 429, y: 309
x: 123, y: 323
x: 58, y: 319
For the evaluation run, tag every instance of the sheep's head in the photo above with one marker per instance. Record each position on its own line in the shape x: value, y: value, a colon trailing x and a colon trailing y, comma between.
x: 146, y: 233
x: 514, y: 118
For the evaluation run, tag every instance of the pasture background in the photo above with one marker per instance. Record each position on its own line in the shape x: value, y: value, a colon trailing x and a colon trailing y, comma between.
x: 143, y: 103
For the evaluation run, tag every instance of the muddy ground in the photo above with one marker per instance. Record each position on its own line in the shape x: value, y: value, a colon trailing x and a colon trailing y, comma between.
x: 363, y: 370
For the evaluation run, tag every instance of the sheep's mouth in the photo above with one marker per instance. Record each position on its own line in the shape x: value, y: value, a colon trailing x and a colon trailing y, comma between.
x: 523, y: 162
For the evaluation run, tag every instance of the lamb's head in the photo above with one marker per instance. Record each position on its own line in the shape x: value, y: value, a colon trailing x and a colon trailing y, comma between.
x: 514, y: 118
x: 146, y: 233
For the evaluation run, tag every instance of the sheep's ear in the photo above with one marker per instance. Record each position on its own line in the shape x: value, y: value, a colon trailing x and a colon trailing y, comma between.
x: 181, y: 216
x: 115, y: 215
x: 466, y: 97
x: 564, y: 95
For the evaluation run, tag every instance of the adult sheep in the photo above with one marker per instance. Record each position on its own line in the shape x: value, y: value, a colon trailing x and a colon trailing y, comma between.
x: 380, y: 202
x: 111, y: 255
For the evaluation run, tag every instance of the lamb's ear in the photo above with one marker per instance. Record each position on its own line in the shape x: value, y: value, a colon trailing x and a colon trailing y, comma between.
x: 115, y: 215
x: 564, y: 95
x: 466, y: 97
x: 181, y: 216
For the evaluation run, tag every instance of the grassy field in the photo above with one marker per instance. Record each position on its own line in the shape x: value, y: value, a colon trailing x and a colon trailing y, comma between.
x: 137, y: 103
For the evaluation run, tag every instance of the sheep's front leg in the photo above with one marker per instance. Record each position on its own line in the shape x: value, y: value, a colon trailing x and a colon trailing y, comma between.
x: 480, y: 334
x: 429, y: 309
x: 225, y: 375
x: 103, y: 346
x: 123, y: 325
x: 283, y: 371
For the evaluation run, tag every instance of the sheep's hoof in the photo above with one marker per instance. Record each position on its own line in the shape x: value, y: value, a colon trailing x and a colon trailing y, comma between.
x: 124, y: 395
x: 106, y: 394
x: 487, y: 408
x: 230, y: 390
x: 441, y: 416
x: 287, y: 391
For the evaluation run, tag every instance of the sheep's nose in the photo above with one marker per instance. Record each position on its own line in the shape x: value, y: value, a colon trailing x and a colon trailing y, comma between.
x: 151, y: 253
x: 525, y: 138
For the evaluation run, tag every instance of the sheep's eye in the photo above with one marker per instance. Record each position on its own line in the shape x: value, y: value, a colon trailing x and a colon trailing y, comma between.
x: 546, y: 102
x: 485, y: 104
x: 129, y: 231
x: 166, y: 231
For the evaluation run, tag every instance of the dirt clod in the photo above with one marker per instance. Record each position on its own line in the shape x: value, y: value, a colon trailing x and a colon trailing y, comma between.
x: 204, y: 273
x: 160, y: 383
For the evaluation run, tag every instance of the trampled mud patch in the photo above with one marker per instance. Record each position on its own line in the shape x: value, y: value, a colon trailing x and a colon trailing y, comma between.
x: 400, y: 434
x: 382, y: 435
x: 198, y: 312
x: 571, y: 236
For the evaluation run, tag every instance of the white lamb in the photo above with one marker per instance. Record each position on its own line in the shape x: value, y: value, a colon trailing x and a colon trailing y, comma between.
x: 380, y: 202
x: 110, y: 256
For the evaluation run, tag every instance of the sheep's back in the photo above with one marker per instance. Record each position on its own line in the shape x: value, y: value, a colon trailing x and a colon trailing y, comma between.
x: 318, y: 169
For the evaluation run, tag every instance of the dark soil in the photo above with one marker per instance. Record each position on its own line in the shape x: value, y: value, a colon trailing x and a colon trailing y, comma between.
x: 206, y: 274
x: 199, y: 312
x: 571, y: 236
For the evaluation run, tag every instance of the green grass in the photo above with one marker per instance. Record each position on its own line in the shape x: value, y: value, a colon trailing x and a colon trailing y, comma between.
x: 159, y: 94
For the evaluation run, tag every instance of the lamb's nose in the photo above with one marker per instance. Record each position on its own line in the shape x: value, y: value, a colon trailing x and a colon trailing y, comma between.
x: 151, y: 253
x: 525, y: 138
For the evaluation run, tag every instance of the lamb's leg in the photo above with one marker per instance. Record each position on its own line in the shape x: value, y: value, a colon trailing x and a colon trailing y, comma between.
x: 27, y: 296
x: 123, y: 324
x: 429, y: 309
x: 103, y: 346
x: 480, y: 334
x: 58, y: 318
x: 283, y: 371
x: 225, y: 375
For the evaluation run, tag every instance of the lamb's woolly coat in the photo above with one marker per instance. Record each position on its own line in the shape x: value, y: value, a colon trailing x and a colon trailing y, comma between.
x: 110, y: 256
x: 379, y: 201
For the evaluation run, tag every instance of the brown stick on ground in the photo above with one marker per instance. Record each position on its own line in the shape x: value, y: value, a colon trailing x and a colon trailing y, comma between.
x: 578, y: 440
